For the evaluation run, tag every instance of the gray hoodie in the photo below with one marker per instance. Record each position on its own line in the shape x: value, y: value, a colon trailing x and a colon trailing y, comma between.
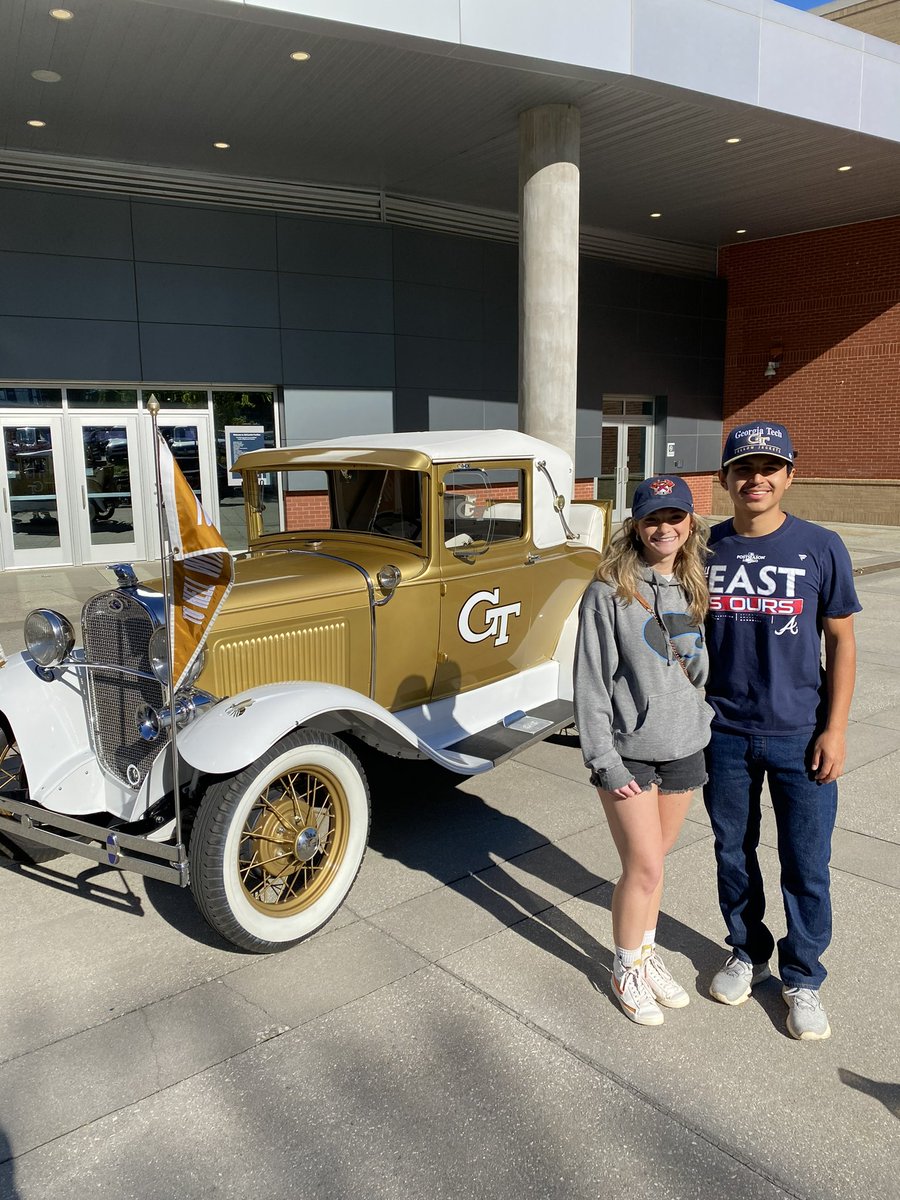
x: 632, y: 699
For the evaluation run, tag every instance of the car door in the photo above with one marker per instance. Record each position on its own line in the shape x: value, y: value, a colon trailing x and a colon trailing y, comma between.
x: 486, y: 589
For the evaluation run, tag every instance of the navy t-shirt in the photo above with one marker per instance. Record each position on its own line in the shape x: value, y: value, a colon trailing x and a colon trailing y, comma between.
x: 768, y: 596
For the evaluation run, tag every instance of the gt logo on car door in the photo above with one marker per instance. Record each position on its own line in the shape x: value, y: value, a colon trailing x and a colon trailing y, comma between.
x: 495, y: 618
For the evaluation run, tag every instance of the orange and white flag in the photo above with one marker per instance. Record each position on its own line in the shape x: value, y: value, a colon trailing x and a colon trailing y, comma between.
x: 202, y: 568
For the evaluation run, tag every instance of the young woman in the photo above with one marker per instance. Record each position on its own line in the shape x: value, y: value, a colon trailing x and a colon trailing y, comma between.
x: 639, y: 666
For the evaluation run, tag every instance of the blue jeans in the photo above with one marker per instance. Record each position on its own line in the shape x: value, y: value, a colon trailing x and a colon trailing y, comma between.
x: 805, y: 813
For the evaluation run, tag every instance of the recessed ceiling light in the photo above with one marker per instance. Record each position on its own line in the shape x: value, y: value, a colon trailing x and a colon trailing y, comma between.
x: 301, y: 56
x: 43, y: 76
x: 654, y: 215
x: 35, y: 124
x: 732, y: 141
x: 61, y: 14
x: 222, y: 145
x: 740, y: 231
x: 845, y: 168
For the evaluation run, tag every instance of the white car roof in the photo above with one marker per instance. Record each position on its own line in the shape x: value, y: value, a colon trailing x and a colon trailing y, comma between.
x: 451, y: 445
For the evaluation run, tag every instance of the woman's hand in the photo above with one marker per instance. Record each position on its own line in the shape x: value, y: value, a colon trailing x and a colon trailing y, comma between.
x: 633, y: 788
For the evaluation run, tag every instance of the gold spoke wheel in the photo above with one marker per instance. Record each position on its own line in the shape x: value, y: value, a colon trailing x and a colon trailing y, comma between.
x: 293, y: 840
x: 276, y: 847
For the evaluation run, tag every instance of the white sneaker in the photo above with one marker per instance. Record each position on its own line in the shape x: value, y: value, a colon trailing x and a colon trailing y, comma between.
x: 635, y: 997
x: 732, y: 983
x: 659, y: 979
x: 807, y: 1019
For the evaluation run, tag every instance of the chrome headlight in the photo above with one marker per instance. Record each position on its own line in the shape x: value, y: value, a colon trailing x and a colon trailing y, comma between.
x: 159, y: 663
x: 196, y: 670
x: 159, y: 657
x: 49, y: 636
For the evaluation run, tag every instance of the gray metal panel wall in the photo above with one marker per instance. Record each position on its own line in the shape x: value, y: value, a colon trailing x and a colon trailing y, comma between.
x: 648, y: 334
x: 106, y: 289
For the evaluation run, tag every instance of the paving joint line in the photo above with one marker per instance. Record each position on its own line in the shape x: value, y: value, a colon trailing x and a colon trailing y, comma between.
x: 623, y: 1083
x: 209, y: 1066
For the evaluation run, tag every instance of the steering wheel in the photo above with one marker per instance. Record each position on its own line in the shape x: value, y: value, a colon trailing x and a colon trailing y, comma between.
x: 388, y: 524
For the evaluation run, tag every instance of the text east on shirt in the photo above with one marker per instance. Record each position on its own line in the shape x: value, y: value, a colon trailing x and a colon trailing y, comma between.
x: 768, y: 598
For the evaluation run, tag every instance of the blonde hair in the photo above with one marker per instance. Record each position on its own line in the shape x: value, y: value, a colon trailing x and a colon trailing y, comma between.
x: 623, y: 561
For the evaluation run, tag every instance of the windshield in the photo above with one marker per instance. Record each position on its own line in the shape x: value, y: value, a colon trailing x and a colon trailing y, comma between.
x: 374, y: 500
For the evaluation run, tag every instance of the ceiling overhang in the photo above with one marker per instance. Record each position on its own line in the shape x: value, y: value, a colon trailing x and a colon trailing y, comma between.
x: 418, y: 109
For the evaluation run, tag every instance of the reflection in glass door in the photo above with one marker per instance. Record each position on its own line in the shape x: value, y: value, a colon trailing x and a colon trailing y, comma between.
x: 35, y: 524
x: 109, y: 488
x: 190, y: 439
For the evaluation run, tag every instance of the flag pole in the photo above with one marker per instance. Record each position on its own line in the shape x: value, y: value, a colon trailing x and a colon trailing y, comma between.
x: 166, y: 564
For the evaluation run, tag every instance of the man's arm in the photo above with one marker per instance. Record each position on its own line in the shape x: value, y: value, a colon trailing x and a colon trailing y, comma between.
x: 830, y: 749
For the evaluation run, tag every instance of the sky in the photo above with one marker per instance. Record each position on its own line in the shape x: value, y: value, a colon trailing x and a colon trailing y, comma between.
x: 802, y: 3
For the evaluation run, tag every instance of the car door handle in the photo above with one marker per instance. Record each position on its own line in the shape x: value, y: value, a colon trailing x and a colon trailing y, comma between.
x: 530, y: 559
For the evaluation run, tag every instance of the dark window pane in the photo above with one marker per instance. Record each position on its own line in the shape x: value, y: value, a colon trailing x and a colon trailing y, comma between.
x: 635, y: 408
x: 101, y: 397
x: 31, y: 397
x: 177, y: 399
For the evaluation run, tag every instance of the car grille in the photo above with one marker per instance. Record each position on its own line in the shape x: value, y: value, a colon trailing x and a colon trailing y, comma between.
x: 116, y: 631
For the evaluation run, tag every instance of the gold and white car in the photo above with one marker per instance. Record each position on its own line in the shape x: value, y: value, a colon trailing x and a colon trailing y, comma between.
x: 414, y: 592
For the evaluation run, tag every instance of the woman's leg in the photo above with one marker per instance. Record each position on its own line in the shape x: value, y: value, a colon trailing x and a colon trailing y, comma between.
x: 636, y: 830
x: 672, y: 807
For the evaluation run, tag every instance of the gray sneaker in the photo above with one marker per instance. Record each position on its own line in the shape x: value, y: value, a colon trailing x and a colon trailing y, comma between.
x: 806, y: 1018
x: 732, y: 984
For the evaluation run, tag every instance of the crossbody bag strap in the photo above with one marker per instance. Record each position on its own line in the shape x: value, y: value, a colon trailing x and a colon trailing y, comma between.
x: 656, y: 617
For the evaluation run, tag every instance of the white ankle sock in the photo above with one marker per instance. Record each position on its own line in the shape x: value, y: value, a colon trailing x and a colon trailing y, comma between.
x: 649, y: 944
x: 625, y: 960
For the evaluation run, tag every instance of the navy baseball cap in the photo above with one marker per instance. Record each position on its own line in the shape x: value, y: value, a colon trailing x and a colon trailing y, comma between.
x: 661, y: 491
x: 758, y: 437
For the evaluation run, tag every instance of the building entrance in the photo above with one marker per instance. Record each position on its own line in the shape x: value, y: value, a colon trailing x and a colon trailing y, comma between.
x: 626, y: 450
x: 79, y: 485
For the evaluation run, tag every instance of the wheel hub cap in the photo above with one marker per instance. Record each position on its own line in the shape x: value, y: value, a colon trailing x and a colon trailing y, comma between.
x: 307, y: 843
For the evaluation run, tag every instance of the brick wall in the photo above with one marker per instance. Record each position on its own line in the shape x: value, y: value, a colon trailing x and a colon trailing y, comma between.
x: 306, y: 510
x: 831, y: 300
x: 702, y: 490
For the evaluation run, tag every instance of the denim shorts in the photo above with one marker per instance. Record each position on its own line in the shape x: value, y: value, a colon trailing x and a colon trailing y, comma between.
x: 679, y: 775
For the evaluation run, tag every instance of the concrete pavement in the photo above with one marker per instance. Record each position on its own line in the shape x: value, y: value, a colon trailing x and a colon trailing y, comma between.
x: 450, y: 1033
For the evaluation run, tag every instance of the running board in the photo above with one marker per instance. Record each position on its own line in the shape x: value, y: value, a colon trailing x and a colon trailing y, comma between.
x: 516, y: 732
x: 160, y: 860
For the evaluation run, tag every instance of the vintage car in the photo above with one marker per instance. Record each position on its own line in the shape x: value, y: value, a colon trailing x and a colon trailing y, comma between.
x: 417, y: 593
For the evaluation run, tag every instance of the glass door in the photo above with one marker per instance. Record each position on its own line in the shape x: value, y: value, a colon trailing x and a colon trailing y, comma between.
x: 34, y: 528
x: 626, y: 457
x: 108, y: 487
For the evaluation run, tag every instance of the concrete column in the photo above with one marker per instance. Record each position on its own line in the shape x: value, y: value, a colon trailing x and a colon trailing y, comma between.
x: 549, y: 139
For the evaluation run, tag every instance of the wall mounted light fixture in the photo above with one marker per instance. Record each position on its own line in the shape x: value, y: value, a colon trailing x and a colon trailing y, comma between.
x: 776, y: 353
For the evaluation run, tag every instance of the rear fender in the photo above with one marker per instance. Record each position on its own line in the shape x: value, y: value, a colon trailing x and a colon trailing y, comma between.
x: 564, y: 654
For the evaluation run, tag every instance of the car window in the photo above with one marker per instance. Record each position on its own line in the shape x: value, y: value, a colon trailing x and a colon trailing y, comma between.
x: 483, y: 505
x: 376, y: 500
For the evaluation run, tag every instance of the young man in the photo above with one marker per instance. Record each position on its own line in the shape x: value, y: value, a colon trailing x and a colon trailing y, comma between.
x: 777, y: 585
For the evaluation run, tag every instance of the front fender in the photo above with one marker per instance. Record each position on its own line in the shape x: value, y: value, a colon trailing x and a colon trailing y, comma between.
x: 48, y: 719
x: 234, y: 733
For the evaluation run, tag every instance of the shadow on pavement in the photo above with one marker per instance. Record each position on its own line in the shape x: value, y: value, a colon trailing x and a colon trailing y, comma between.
x: 8, y: 1189
x: 421, y: 818
x: 887, y: 1093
